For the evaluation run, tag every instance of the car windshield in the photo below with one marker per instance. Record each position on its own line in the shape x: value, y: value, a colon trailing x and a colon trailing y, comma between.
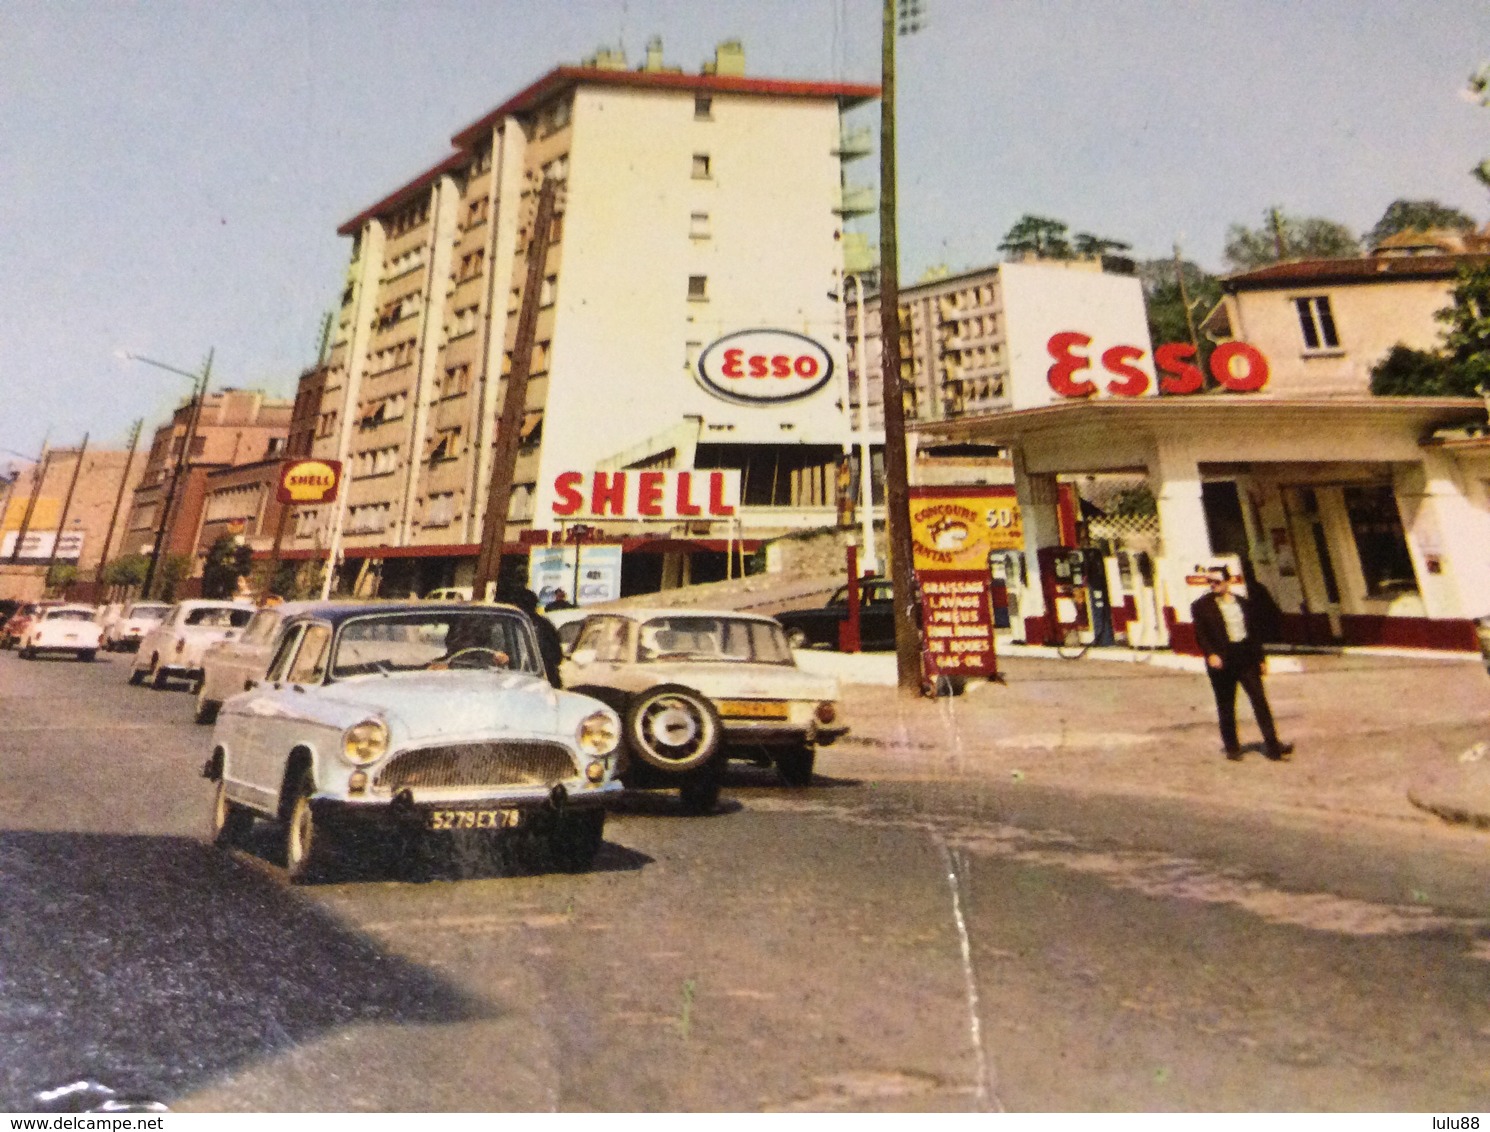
x: 437, y: 640
x: 712, y: 639
x: 70, y: 615
x: 149, y: 612
x: 220, y: 617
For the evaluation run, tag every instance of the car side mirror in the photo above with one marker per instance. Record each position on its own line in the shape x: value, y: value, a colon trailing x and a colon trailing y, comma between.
x: 582, y: 657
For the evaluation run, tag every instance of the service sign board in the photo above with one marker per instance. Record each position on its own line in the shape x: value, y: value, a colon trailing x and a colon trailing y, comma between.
x: 586, y: 574
x: 953, y: 531
x: 308, y: 481
x: 699, y: 494
x: 764, y: 367
x: 38, y: 546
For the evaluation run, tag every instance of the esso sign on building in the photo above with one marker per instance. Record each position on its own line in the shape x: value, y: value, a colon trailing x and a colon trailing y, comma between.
x: 1236, y: 366
x: 764, y: 367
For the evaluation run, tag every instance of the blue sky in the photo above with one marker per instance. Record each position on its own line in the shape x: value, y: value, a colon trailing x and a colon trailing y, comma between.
x: 172, y: 174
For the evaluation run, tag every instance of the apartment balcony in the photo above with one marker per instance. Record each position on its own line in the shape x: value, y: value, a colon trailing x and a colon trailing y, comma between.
x: 856, y: 200
x: 854, y: 143
x: 860, y: 257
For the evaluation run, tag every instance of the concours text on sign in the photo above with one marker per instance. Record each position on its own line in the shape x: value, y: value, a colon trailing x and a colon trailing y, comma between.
x: 632, y: 494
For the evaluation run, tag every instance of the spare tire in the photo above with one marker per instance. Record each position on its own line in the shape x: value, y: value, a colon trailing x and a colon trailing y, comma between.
x: 673, y: 728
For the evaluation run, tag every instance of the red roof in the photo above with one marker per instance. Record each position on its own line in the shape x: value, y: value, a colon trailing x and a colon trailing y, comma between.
x: 1364, y: 270
x: 562, y: 78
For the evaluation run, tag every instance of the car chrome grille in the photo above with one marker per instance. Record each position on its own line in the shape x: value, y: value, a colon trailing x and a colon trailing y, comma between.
x: 479, y: 765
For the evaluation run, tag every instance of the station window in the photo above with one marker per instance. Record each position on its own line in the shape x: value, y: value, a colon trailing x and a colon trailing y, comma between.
x: 703, y: 106
x: 1379, y: 541
x: 698, y: 287
x: 701, y: 167
x: 1317, y: 322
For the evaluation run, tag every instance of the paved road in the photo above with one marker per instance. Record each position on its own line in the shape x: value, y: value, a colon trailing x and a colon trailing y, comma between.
x: 865, y: 944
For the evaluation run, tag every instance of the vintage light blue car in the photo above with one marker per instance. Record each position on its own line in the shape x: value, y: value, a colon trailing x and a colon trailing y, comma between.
x: 411, y: 717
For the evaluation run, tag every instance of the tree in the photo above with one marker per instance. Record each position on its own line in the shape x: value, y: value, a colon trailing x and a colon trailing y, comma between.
x: 174, y: 569
x: 1462, y: 368
x: 60, y: 576
x: 127, y: 570
x: 1287, y: 237
x: 228, y: 560
x: 1097, y: 246
x: 1417, y: 216
x: 1165, y: 305
x: 1037, y: 236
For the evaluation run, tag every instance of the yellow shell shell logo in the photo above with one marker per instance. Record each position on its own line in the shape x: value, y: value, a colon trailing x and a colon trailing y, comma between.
x: 309, y: 481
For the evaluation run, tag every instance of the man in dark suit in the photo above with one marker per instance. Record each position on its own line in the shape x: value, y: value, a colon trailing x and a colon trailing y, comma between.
x: 1230, y: 630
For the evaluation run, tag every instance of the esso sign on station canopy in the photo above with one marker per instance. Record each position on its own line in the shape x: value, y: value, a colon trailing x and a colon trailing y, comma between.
x: 764, y: 367
x: 1237, y: 367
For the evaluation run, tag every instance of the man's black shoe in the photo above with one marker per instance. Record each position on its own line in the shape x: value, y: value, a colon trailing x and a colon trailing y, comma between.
x: 1280, y: 752
x: 1234, y: 754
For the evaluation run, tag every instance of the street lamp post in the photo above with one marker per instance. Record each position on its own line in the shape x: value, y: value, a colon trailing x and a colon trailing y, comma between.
x: 199, y: 393
x: 866, y: 476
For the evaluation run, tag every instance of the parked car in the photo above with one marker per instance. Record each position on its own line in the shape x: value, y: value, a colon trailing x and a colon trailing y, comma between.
x: 809, y: 628
x: 450, y: 593
x: 567, y: 622
x: 61, y: 628
x: 173, y: 649
x: 696, y: 688
x: 131, y: 623
x: 15, y: 625
x: 417, y: 717
x: 232, y: 665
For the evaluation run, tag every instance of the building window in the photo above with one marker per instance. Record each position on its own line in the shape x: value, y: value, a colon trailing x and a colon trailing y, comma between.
x: 698, y: 226
x: 440, y: 511
x: 520, y: 503
x: 701, y: 168
x: 698, y: 288
x: 1379, y: 541
x: 703, y: 106
x: 548, y: 290
x: 1317, y: 323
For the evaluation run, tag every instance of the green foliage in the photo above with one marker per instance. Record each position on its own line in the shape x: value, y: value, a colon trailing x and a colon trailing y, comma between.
x: 228, y: 560
x: 127, y: 570
x: 1166, y: 308
x: 1283, y: 237
x: 1406, y: 372
x: 1038, y: 236
x: 1134, y: 502
x: 61, y: 575
x: 172, y: 571
x: 1087, y: 244
x: 1419, y: 216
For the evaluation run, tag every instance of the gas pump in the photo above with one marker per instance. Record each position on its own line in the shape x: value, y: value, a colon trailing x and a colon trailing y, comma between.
x: 1147, y: 629
x: 1007, y: 569
x: 1098, y: 598
x: 1063, y: 580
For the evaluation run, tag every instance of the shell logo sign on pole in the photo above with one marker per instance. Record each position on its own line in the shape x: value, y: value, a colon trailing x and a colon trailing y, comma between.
x: 308, y: 481
x: 953, y: 531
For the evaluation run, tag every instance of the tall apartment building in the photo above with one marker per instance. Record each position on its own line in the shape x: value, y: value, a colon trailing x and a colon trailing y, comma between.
x: 235, y: 427
x: 694, y: 208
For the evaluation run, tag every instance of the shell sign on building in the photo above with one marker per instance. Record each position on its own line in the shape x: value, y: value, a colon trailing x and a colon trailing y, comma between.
x: 308, y: 481
x: 764, y: 367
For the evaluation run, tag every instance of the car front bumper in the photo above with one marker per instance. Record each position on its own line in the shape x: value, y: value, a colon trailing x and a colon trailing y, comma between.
x: 406, y: 814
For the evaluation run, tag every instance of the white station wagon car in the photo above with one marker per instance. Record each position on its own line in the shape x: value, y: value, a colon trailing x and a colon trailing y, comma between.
x: 173, y: 649
x: 696, y: 688
x: 129, y: 625
x: 412, y: 717
x: 62, y: 628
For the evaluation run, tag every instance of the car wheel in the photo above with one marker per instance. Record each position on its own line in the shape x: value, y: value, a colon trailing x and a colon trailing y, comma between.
x: 206, y: 709
x: 575, y: 839
x: 797, y: 638
x: 700, y: 795
x: 87, y: 655
x: 158, y: 678
x: 27, y: 653
x: 308, y: 844
x: 136, y: 676
x: 230, y: 821
x: 794, y: 765
x: 673, y: 728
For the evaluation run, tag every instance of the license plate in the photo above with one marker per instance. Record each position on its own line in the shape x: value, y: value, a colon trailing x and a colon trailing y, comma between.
x: 475, y: 819
x: 753, y: 709
x: 69, y: 636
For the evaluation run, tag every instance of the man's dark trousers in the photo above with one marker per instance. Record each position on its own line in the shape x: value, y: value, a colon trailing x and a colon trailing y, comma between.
x: 1241, y: 663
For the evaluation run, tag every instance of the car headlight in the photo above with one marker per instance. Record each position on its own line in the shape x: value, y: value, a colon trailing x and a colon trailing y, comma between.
x: 599, y: 733
x: 365, y: 743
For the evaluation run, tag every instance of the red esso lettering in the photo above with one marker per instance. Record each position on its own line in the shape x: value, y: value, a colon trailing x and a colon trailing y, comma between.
x: 1134, y: 383
x: 1256, y: 375
x: 1176, y: 374
x: 738, y: 364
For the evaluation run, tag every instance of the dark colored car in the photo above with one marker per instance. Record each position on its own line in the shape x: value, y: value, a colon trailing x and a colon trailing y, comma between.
x: 808, y: 628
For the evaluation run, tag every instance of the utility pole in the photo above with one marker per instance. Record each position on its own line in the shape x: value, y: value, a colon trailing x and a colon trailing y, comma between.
x: 897, y: 490
x: 66, y: 507
x: 39, y: 471
x: 199, y: 394
x: 108, y: 539
x: 514, y: 401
